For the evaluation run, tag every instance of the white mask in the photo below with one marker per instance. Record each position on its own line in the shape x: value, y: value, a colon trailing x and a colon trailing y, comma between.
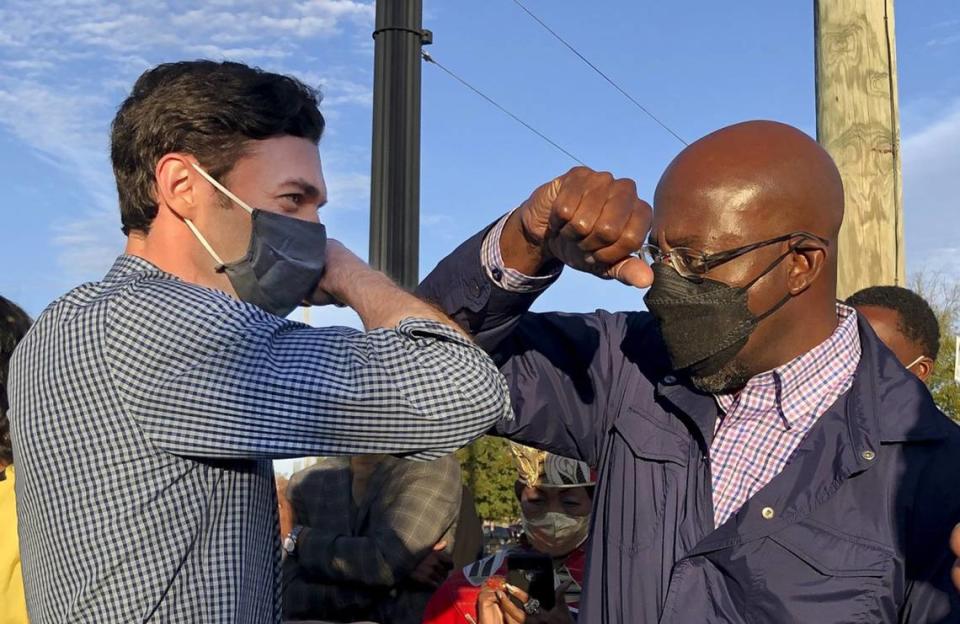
x: 556, y: 534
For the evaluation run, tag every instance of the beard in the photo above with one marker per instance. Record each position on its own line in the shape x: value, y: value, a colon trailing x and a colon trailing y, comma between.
x: 731, y: 378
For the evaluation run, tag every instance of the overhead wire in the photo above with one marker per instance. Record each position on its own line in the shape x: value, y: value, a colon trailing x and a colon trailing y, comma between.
x: 429, y: 59
x: 600, y: 72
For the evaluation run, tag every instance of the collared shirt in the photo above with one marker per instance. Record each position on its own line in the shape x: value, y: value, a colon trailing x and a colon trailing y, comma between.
x: 145, y: 411
x: 352, y: 560
x: 765, y: 422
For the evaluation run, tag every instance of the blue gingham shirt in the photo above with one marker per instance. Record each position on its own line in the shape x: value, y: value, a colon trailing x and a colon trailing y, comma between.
x: 146, y: 411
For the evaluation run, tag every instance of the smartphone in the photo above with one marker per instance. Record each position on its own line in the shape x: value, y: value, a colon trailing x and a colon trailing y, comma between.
x: 533, y: 573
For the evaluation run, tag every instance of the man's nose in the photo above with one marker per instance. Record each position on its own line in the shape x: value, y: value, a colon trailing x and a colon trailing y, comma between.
x: 310, y: 214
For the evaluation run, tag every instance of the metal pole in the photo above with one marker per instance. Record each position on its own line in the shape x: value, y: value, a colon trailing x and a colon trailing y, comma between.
x: 395, y: 174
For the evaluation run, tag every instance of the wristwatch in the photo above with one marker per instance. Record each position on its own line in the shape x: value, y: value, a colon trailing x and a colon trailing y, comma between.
x: 290, y: 541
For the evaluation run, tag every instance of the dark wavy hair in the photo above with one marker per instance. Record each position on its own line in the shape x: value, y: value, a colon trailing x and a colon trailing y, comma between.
x: 205, y: 108
x: 14, y: 324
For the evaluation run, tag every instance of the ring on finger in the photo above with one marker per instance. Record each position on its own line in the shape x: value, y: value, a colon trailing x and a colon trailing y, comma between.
x: 532, y: 606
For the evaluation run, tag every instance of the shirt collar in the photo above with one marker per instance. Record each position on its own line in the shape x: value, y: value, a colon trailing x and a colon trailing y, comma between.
x: 127, y: 264
x: 795, y: 388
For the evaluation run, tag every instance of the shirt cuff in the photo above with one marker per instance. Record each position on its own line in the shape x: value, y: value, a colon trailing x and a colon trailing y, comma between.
x: 509, y: 279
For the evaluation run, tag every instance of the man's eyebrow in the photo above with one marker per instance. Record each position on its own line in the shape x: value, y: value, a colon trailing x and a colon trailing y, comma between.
x: 302, y: 185
x: 691, y: 242
x: 310, y: 191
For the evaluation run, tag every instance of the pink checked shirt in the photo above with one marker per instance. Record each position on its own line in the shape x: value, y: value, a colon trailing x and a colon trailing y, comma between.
x: 764, y: 423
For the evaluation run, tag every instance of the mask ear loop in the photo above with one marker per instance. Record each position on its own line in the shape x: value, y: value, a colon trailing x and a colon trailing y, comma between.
x: 203, y: 241
x: 783, y: 301
x: 221, y: 265
x: 222, y: 188
x: 915, y: 362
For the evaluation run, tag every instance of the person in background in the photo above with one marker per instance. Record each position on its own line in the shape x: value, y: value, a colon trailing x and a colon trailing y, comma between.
x: 368, y: 537
x: 904, y: 321
x: 555, y: 495
x: 14, y: 324
x: 468, y: 540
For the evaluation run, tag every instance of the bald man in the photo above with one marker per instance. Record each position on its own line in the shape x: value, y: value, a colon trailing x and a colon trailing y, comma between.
x: 762, y: 457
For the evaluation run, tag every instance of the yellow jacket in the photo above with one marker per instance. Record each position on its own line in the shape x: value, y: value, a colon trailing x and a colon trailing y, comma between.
x: 13, y: 608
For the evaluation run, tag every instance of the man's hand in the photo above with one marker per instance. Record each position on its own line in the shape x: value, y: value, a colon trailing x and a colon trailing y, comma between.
x: 342, y: 265
x: 288, y: 517
x: 498, y: 607
x: 379, y: 302
x: 434, y: 568
x: 587, y: 220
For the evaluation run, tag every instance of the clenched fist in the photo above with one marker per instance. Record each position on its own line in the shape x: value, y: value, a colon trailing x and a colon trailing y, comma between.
x: 584, y: 219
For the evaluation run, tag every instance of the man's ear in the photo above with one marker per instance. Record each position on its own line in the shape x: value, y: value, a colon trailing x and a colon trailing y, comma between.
x: 176, y: 185
x: 808, y: 263
x: 923, y: 369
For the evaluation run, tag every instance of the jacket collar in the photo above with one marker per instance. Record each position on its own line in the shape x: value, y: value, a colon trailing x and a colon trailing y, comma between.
x: 895, y: 404
x: 886, y: 404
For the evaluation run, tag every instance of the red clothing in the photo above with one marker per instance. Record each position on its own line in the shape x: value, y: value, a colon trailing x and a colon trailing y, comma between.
x: 457, y: 597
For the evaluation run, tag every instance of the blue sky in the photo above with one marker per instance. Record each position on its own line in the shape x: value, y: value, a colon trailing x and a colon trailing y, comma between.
x: 66, y: 64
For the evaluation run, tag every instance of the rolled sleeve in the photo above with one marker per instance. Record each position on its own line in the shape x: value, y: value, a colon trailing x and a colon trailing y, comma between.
x: 507, y: 278
x: 217, y: 378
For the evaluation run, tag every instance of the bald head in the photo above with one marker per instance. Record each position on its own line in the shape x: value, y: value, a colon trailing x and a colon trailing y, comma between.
x: 771, y: 189
x: 757, y: 179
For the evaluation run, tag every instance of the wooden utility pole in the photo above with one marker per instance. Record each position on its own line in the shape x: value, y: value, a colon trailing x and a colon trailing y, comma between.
x: 858, y: 123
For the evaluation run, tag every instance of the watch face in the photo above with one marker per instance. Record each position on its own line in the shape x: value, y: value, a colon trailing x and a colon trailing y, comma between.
x: 289, y: 545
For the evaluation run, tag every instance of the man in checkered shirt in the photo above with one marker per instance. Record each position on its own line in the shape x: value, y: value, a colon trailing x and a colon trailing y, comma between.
x: 146, y: 408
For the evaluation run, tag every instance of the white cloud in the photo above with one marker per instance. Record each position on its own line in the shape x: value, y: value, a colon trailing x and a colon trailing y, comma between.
x: 931, y: 186
x: 348, y: 190
x: 337, y: 91
x: 124, y: 27
x: 70, y: 62
x: 89, y: 244
x: 944, y: 41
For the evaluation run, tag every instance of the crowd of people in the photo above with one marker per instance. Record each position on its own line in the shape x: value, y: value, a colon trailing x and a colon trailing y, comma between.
x: 747, y: 449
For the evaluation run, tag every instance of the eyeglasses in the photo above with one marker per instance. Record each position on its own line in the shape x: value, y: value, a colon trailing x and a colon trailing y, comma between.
x: 693, y: 264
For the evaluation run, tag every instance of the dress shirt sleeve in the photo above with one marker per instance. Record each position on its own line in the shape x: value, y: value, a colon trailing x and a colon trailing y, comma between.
x: 204, y: 375
x: 562, y: 369
x: 507, y: 278
x: 412, y: 510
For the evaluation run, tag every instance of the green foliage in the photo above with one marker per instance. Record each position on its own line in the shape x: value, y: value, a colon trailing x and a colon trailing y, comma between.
x: 489, y: 473
x: 943, y: 294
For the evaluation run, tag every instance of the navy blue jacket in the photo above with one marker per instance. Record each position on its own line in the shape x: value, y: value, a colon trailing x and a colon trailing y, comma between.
x: 863, y: 510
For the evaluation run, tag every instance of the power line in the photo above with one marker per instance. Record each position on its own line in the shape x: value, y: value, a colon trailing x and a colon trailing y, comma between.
x: 430, y: 59
x: 597, y: 69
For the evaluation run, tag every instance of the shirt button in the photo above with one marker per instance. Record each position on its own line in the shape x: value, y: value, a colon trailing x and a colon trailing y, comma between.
x: 497, y: 274
x: 868, y: 455
x: 768, y: 513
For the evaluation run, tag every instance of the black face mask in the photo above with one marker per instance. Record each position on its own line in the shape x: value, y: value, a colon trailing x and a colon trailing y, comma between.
x: 704, y: 324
